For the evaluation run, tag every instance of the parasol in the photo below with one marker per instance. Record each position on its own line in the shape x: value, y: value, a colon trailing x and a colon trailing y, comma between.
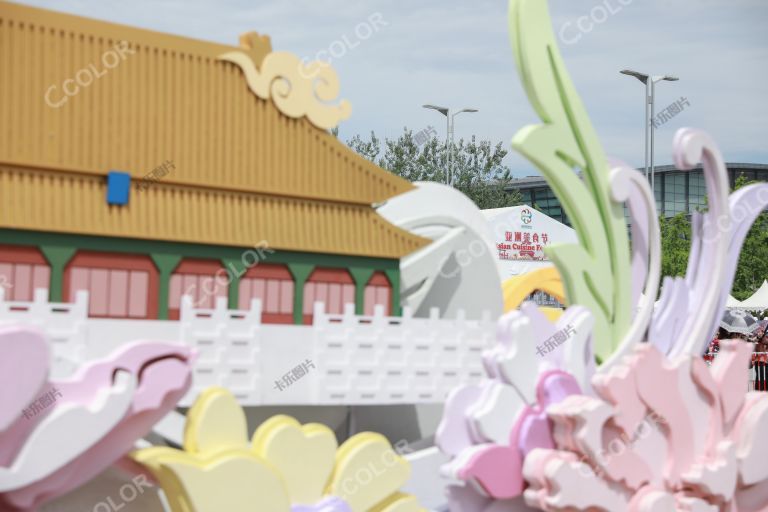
x: 739, y: 321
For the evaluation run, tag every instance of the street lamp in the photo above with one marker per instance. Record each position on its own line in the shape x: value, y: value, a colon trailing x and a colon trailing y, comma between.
x: 650, y: 95
x: 449, y: 136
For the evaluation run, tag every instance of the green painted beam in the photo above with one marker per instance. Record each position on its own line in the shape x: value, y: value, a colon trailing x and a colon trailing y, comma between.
x: 165, y: 264
x: 361, y: 277
x: 394, y: 279
x: 235, y: 269
x: 139, y: 246
x: 58, y: 257
x: 300, y: 272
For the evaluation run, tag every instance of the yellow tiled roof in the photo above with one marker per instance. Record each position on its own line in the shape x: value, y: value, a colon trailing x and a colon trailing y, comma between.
x: 242, y: 169
x: 72, y: 203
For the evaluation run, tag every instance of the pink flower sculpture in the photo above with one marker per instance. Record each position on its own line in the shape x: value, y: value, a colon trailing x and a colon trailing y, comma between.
x: 489, y: 428
x: 57, y: 435
x: 664, y: 435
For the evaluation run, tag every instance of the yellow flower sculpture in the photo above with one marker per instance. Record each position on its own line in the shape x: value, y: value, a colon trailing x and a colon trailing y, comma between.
x: 286, y: 467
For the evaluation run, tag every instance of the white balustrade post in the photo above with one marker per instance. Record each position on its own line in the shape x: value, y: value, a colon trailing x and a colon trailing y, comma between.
x: 255, y: 313
x: 318, y: 314
x: 186, y: 308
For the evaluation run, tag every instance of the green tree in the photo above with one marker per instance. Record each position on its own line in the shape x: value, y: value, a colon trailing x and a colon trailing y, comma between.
x: 369, y: 149
x: 753, y: 261
x: 478, y: 170
x: 675, y: 244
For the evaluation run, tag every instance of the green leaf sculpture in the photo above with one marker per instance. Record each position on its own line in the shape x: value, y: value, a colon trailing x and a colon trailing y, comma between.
x: 596, y: 273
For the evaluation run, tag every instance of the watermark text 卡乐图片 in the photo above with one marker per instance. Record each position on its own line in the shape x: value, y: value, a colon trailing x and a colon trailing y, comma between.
x: 294, y: 375
x: 555, y: 340
x: 671, y: 111
x: 424, y: 135
x: 43, y: 402
x: 155, y: 175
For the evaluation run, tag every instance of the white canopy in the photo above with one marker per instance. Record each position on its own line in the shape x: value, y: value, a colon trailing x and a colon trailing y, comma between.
x: 758, y: 300
x: 520, y: 234
x: 731, y: 302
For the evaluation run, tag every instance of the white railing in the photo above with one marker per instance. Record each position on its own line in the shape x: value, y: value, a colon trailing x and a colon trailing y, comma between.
x: 63, y: 323
x: 397, y: 359
x: 338, y: 360
x: 232, y: 352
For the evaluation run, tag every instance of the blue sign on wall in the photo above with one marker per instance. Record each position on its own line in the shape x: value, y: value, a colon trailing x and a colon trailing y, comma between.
x: 118, y: 187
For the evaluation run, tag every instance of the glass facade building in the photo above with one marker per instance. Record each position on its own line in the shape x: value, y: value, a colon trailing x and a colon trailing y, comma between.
x: 676, y: 191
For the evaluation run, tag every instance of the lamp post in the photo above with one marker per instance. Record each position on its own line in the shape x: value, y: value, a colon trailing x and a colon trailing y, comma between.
x: 449, y: 118
x: 650, y: 96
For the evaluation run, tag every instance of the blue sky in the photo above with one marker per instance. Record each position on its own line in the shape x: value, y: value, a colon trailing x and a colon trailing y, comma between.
x: 457, y: 53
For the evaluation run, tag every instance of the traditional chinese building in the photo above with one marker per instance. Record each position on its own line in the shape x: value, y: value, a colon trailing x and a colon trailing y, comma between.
x: 260, y: 202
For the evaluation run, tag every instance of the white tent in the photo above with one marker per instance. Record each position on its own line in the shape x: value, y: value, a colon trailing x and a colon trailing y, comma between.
x: 520, y: 234
x: 731, y: 302
x: 758, y: 300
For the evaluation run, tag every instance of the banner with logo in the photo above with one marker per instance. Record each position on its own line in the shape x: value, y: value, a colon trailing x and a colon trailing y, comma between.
x: 521, y: 234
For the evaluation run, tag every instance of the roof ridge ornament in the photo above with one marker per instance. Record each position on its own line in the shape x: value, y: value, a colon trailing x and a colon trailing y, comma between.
x: 258, y: 45
x: 297, y: 89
